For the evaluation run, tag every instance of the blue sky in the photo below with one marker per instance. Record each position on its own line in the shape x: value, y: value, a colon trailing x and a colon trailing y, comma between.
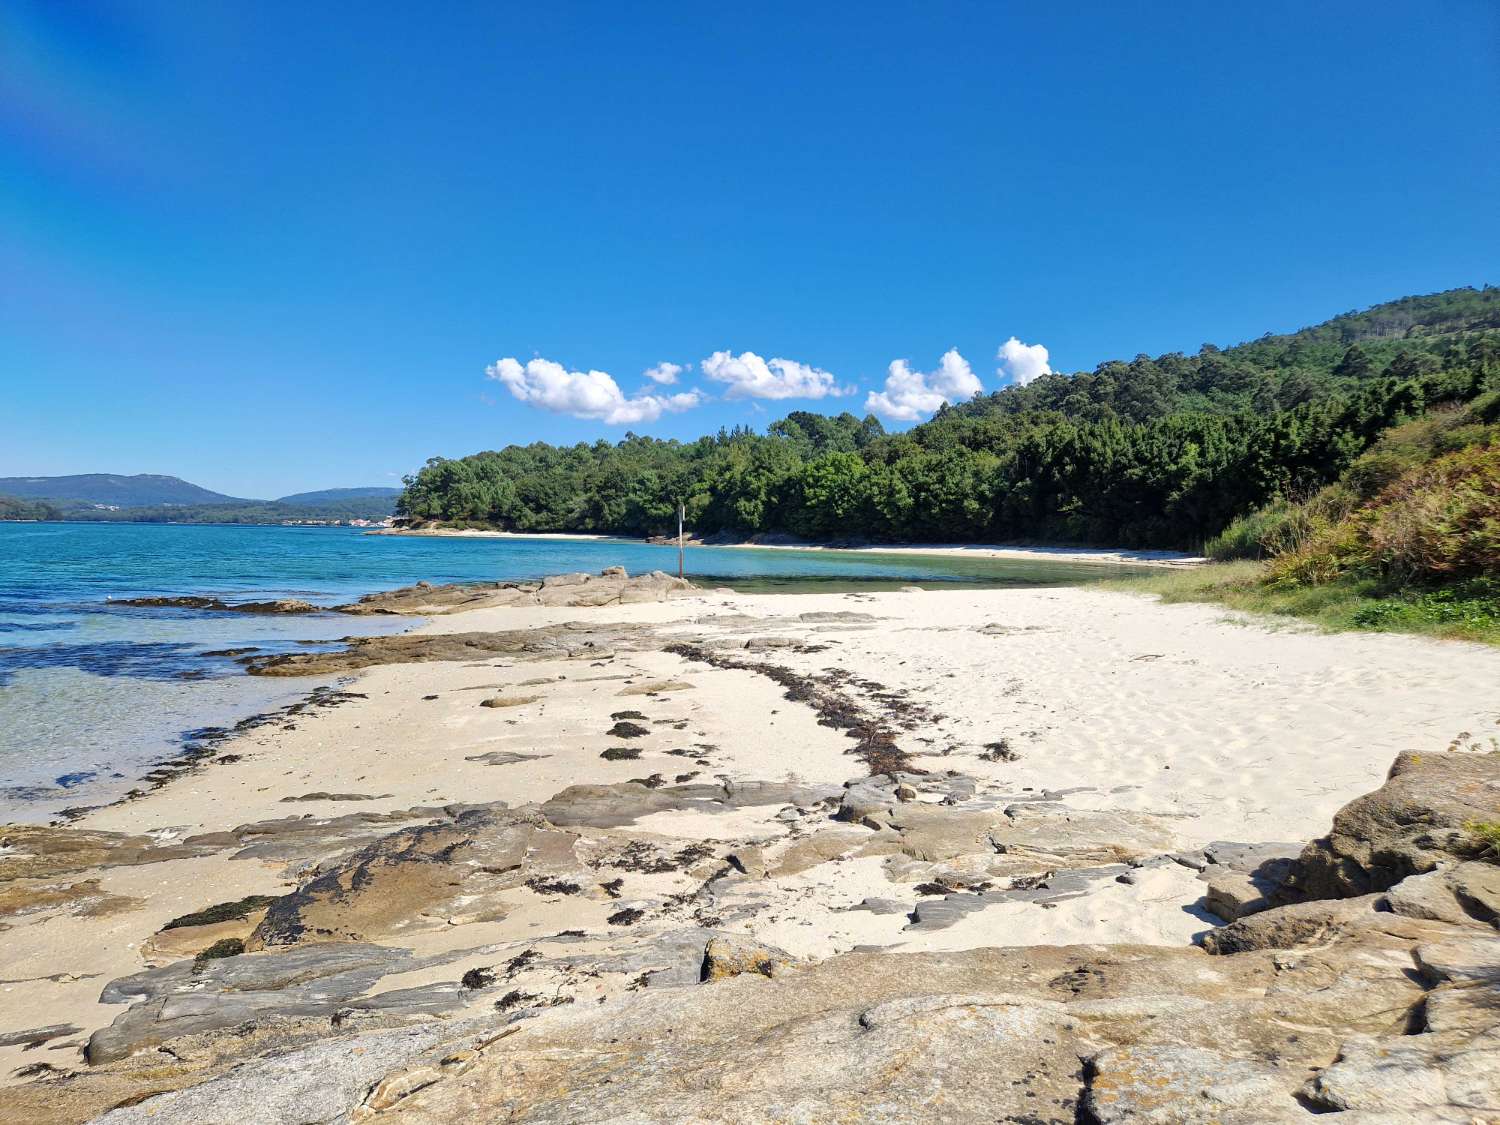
x: 270, y: 247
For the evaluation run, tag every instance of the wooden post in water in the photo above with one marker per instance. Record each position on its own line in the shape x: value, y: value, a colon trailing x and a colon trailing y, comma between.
x: 681, y: 511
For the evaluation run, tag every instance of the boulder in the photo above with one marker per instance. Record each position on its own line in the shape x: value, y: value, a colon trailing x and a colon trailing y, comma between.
x: 1410, y: 825
x: 1389, y: 1076
x: 733, y: 956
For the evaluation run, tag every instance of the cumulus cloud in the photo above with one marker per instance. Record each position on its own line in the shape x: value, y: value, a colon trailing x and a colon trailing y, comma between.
x: 664, y: 372
x: 1021, y: 363
x: 583, y: 394
x: 749, y: 376
x: 910, y: 395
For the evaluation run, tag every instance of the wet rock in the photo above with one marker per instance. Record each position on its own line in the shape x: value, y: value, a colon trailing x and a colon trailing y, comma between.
x: 215, y: 605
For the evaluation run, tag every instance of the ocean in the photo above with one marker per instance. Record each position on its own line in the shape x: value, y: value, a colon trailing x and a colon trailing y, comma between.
x: 93, y: 694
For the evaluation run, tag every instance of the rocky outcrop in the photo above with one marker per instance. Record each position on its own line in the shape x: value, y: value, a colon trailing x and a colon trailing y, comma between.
x: 667, y: 999
x: 613, y: 586
x: 193, y: 997
x: 1410, y: 825
x: 217, y: 605
x: 450, y: 872
x: 572, y: 641
x: 1048, y: 1034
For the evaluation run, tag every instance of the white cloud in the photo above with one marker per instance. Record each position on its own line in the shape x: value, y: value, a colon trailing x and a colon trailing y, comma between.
x: 1021, y: 363
x: 664, y: 372
x: 583, y: 394
x: 910, y: 395
x: 749, y: 376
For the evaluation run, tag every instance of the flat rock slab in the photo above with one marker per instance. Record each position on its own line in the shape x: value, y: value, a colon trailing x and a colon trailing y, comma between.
x: 189, y: 998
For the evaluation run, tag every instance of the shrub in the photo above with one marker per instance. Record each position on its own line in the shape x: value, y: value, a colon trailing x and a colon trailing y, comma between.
x: 1437, y: 522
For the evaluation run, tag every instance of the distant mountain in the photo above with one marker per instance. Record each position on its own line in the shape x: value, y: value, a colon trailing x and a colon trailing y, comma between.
x: 339, y: 495
x: 141, y: 490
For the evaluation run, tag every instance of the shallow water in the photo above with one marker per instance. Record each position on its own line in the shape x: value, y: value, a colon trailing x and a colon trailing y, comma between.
x: 92, y: 693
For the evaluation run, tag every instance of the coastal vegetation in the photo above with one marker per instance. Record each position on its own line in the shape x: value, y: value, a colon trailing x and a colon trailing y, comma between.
x: 243, y: 512
x: 1407, y: 539
x: 15, y: 508
x: 1162, y: 452
x: 1352, y: 469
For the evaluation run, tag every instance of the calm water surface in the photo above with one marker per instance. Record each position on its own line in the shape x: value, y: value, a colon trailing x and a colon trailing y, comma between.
x: 92, y: 693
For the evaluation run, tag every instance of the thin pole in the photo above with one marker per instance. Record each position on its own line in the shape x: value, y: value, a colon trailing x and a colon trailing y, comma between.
x: 680, y: 513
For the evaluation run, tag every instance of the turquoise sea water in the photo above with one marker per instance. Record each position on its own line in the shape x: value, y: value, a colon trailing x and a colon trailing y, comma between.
x: 91, y: 693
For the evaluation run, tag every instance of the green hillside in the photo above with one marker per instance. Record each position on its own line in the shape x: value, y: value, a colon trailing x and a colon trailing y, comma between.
x: 136, y: 491
x: 1148, y: 452
x: 384, y: 494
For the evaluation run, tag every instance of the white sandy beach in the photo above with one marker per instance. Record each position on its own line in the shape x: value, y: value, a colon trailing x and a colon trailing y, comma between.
x: 1184, y: 724
x: 938, y: 550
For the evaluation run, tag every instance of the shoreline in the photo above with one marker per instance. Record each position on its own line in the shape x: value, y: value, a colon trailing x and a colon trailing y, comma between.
x: 475, y: 533
x: 1110, y: 555
x: 1094, y: 734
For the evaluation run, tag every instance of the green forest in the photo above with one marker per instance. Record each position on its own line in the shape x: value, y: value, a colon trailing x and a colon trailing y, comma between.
x: 228, y: 512
x: 15, y: 508
x: 1148, y: 452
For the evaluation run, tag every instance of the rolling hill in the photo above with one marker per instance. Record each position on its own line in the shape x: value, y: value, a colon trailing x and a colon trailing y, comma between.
x: 148, y: 498
x: 342, y: 495
x: 139, y: 491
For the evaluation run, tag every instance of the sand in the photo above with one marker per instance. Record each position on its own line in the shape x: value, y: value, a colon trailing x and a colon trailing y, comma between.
x: 1003, y: 551
x: 938, y: 550
x: 1214, y: 726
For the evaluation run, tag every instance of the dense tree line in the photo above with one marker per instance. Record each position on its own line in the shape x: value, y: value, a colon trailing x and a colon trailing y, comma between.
x: 235, y: 512
x: 14, y: 508
x: 232, y: 512
x: 1150, y: 452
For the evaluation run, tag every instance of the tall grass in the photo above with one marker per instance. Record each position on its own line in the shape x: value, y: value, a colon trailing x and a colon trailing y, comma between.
x: 1408, y: 540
